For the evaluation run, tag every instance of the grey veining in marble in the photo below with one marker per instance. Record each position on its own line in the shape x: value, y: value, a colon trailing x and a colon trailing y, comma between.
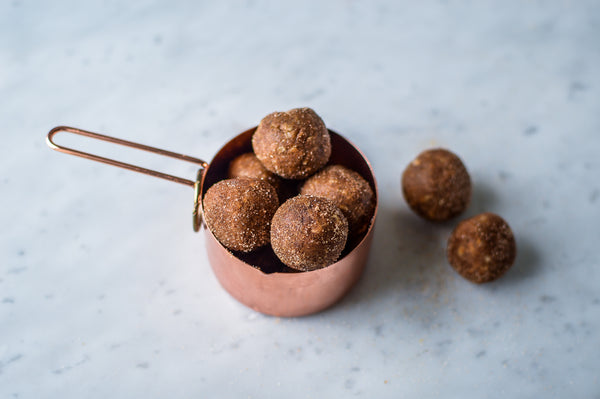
x: 105, y: 291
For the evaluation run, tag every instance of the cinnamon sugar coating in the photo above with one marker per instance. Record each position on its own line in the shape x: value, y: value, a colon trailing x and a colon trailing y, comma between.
x: 248, y: 165
x: 293, y: 144
x: 436, y: 185
x: 308, y: 233
x: 346, y: 189
x: 482, y: 248
x: 239, y: 212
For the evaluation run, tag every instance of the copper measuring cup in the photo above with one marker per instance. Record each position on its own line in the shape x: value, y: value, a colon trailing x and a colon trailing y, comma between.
x: 259, y: 280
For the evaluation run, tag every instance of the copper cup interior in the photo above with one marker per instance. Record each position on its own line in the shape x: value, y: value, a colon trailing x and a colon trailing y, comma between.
x: 259, y: 279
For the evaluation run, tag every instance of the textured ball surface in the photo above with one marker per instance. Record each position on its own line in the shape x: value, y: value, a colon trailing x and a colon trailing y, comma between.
x: 482, y: 248
x: 293, y: 144
x: 248, y: 165
x: 308, y: 233
x: 346, y: 189
x: 239, y: 212
x: 436, y: 185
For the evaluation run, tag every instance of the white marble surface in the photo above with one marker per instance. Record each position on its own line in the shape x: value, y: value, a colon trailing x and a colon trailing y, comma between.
x: 105, y: 291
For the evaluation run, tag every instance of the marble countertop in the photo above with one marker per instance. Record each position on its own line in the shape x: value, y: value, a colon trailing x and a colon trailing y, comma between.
x: 105, y: 291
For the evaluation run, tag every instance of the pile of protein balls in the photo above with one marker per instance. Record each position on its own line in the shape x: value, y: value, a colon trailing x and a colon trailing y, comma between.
x: 285, y: 194
x: 437, y: 186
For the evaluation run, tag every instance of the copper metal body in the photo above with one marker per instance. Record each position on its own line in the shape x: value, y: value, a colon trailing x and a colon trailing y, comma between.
x: 277, y: 293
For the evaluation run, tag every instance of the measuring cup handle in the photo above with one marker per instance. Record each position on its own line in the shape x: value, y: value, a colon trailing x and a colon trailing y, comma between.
x: 196, y: 184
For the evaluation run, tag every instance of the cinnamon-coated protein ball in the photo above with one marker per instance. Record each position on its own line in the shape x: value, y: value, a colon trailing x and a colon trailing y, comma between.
x: 239, y: 211
x: 308, y: 233
x: 482, y: 248
x: 436, y: 185
x: 293, y: 144
x: 348, y: 190
x: 248, y: 165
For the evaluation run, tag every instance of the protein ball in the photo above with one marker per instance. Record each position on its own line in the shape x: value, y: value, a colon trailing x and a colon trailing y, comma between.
x: 436, y: 185
x: 293, y: 144
x: 308, y: 233
x: 346, y: 189
x: 248, y: 165
x: 482, y: 248
x: 239, y: 211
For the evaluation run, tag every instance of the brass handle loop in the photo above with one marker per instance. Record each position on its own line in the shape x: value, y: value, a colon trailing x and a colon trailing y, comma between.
x: 196, y: 184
